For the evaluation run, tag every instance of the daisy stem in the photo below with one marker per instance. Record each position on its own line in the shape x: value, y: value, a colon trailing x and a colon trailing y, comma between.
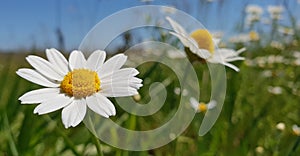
x: 95, y: 139
x: 97, y: 144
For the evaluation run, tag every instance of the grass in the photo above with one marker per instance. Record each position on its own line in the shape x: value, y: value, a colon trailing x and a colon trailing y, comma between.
x: 248, y: 119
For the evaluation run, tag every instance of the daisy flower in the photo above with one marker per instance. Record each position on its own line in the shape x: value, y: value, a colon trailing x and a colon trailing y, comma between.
x: 202, y: 107
x: 201, y: 44
x: 78, y: 83
x: 296, y: 130
x: 280, y: 126
x: 275, y: 11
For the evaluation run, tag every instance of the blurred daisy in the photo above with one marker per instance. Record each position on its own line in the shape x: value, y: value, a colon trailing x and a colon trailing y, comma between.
x: 296, y: 54
x: 177, y: 91
x: 275, y: 12
x: 202, y: 107
x: 78, y: 83
x: 277, y: 45
x: 296, y: 130
x: 253, y: 36
x: 286, y: 31
x: 254, y: 13
x: 275, y: 90
x: 137, y: 97
x: 259, y: 149
x: 254, y: 9
x: 280, y: 126
x: 202, y: 45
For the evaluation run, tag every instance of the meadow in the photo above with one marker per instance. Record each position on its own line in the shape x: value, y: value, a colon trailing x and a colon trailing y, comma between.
x: 260, y: 115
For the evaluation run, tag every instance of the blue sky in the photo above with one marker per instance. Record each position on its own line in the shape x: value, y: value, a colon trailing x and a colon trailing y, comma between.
x: 33, y: 22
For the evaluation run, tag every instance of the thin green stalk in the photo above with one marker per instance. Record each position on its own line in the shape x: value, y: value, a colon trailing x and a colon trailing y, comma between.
x: 97, y: 144
x: 12, y: 143
x: 60, y: 132
x: 95, y: 138
x: 297, y: 143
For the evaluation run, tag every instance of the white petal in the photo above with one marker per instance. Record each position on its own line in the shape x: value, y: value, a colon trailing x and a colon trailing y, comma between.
x: 39, y: 95
x: 113, y: 91
x: 216, y: 41
x: 53, y: 104
x: 44, y: 67
x: 124, y: 72
x: 241, y: 50
x: 77, y: 60
x: 203, y: 53
x: 56, y: 58
x: 194, y: 103
x: 100, y: 104
x: 177, y: 27
x: 35, y: 77
x: 212, y: 104
x: 191, y: 43
x: 231, y: 66
x: 94, y: 105
x: 235, y: 59
x: 183, y: 39
x: 96, y: 60
x: 74, y: 113
x: 114, y: 63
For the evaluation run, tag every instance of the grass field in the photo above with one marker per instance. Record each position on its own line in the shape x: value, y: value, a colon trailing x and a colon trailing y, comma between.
x: 263, y: 94
x: 260, y: 115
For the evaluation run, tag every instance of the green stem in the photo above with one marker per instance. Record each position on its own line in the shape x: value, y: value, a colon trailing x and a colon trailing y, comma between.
x: 97, y: 144
x: 95, y: 138
x: 297, y: 143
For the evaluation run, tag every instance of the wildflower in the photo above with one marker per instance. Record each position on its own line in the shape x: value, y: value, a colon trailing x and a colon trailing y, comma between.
x: 137, y: 97
x: 259, y: 149
x: 286, y: 31
x: 253, y: 36
x: 277, y: 45
x: 280, y: 126
x: 240, y: 38
x: 254, y: 9
x: 177, y: 91
x: 275, y: 90
x: 275, y: 12
x: 296, y: 54
x: 254, y: 13
x: 296, y: 130
x: 201, y: 45
x: 202, y: 107
x: 78, y: 83
x: 267, y: 73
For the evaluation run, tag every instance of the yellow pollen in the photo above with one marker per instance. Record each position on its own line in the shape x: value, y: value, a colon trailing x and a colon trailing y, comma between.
x: 202, y: 107
x: 80, y: 83
x: 204, y: 40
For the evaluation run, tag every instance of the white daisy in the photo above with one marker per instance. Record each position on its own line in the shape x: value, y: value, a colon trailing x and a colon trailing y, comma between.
x: 202, y: 107
x: 275, y: 11
x: 202, y: 44
x: 78, y: 83
x: 280, y: 126
x: 296, y: 130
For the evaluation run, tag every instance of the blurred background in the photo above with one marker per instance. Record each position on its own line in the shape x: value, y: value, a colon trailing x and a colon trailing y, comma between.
x: 261, y: 114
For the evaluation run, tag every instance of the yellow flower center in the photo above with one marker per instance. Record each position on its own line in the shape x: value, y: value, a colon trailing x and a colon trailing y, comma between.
x: 80, y: 83
x: 202, y: 107
x: 253, y: 36
x: 204, y: 40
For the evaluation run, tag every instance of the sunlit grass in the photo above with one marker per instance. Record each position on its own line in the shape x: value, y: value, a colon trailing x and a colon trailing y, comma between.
x: 247, y: 122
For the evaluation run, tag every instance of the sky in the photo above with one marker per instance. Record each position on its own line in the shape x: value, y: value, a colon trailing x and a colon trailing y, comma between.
x: 32, y: 23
